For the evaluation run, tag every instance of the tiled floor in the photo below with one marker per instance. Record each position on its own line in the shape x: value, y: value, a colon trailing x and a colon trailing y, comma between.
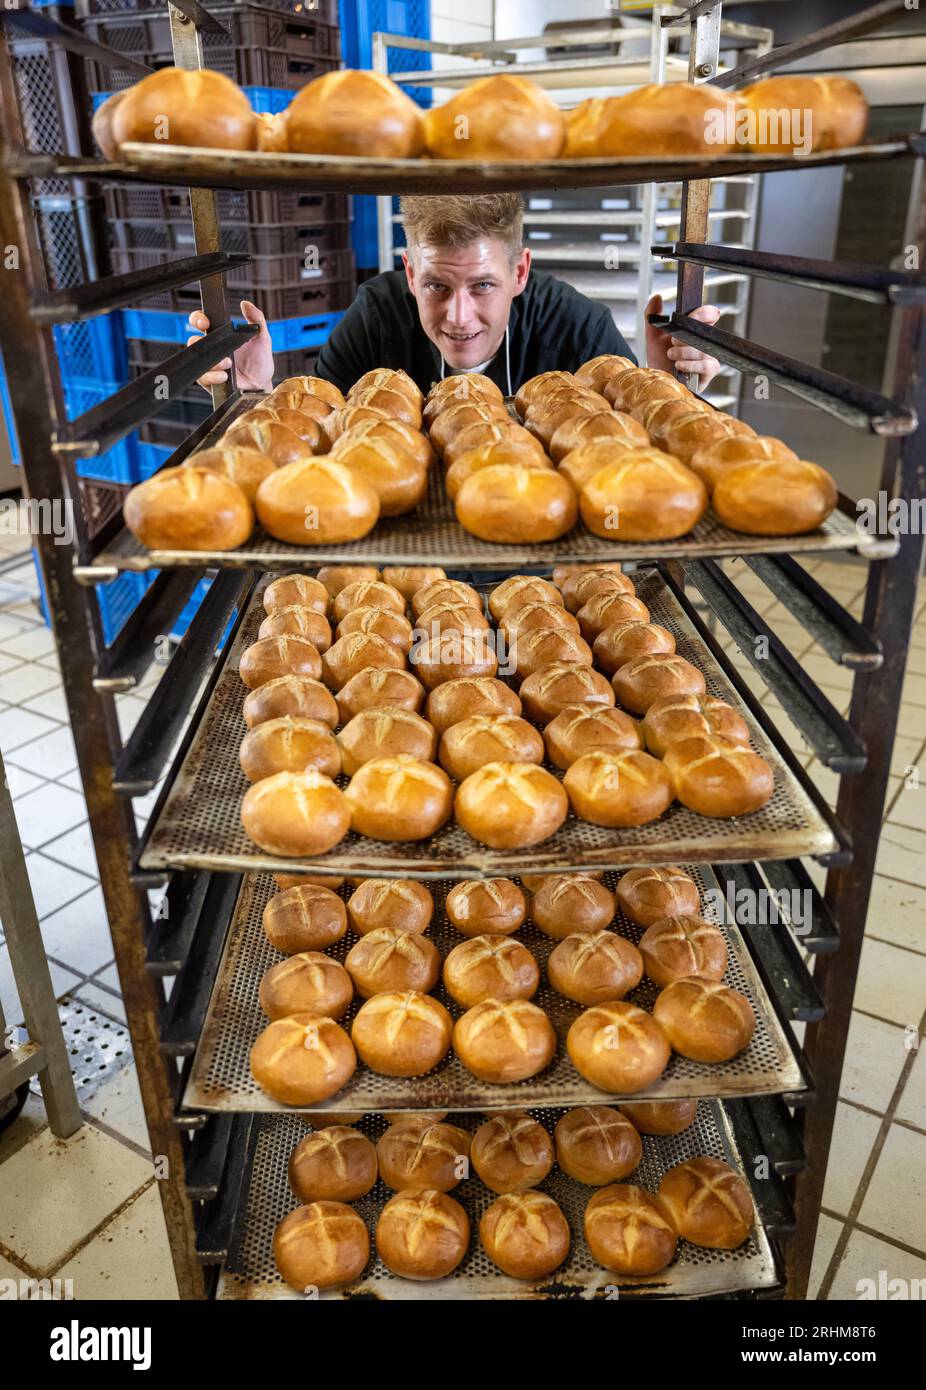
x: 86, y: 1208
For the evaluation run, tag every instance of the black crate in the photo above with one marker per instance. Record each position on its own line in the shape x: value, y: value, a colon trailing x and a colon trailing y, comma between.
x: 261, y: 273
x: 173, y: 425
x: 256, y: 241
x: 268, y: 209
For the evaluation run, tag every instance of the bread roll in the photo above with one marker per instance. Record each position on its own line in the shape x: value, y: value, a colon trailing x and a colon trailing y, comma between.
x: 185, y: 108
x: 684, y: 435
x: 389, y: 961
x: 399, y: 904
x: 618, y: 1047
x: 356, y: 652
x: 380, y: 621
x: 596, y: 1145
x: 499, y: 455
x: 628, y: 1231
x: 453, y: 656
x: 371, y: 593
x: 311, y: 386
x: 504, y: 1040
x: 552, y: 688
x: 687, y: 716
x: 513, y: 504
x: 399, y: 798
x: 357, y: 422
x: 625, y: 389
x: 408, y: 579
x: 294, y: 697
x: 644, y: 496
x: 704, y: 1020
x: 622, y: 643
x: 607, y: 609
x: 618, y: 789
x: 316, y: 501
x: 531, y: 616
x: 469, y: 745
x: 188, y: 509
x: 594, y: 967
x: 445, y: 591
x: 518, y: 591
x: 284, y: 881
x: 657, y: 413
x: 495, y: 906
x: 609, y: 427
x: 597, y: 371
x: 295, y: 590
x: 469, y: 384
x: 304, y: 918
x: 678, y: 947
x: 392, y: 377
x: 418, y: 1158
x: 510, y: 805
x: 289, y: 745
x: 561, y: 573
x: 775, y: 497
x: 295, y: 813
x: 337, y: 577
x: 591, y: 580
x: 307, y: 983
x: 354, y: 113
x: 550, y: 416
x: 399, y: 479
x: 677, y: 119
x: 490, y: 967
x: 444, y: 617
x: 495, y: 430
x: 458, y: 415
x: 661, y: 1116
x: 537, y: 385
x: 300, y: 1060
x: 334, y: 1164
x: 304, y: 424
x: 392, y: 400
x: 381, y: 733
x: 378, y: 688
x: 401, y: 1033
x: 525, y: 1234
x: 547, y: 646
x: 269, y: 436
x: 647, y: 679
x: 272, y: 657
x: 646, y: 895
x: 581, y: 729
x: 707, y: 1203
x: 792, y: 114
x: 422, y: 1235
x: 716, y: 777
x: 568, y: 903
x: 496, y: 118
x: 511, y: 1152
x: 321, y: 1246
x: 719, y: 456
x: 247, y: 468
x: 299, y: 622
x: 456, y: 700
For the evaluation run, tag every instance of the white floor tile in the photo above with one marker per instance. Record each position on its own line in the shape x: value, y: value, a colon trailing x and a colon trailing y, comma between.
x: 895, y: 1203
x: 875, y: 1056
x: 8, y: 663
x: 53, y: 884
x: 891, y: 983
x: 51, y: 702
x: 110, y: 977
x: 63, y: 982
x: 102, y: 1000
x: 902, y: 854
x: 860, y: 1269
x: 906, y: 754
x: 72, y: 779
x: 20, y: 782
x: 828, y: 1232
x: 854, y: 1135
x: 31, y: 645
x: 118, y: 1105
x: 52, y: 754
x: 130, y: 1258
x: 129, y: 710
x: 78, y: 934
x: 21, y: 726
x: 75, y: 849
x: 912, y: 1103
x: 27, y: 681
x: 48, y: 812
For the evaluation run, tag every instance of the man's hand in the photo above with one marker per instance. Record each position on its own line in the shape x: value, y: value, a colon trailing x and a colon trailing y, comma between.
x: 666, y: 352
x: 253, y: 362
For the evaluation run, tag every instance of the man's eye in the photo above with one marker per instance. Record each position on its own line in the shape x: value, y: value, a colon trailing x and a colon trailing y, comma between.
x: 485, y: 285
x: 437, y: 289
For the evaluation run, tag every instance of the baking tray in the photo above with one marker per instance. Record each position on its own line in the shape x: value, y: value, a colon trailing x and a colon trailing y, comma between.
x: 220, y: 1077
x: 198, y: 825
x: 250, y: 1271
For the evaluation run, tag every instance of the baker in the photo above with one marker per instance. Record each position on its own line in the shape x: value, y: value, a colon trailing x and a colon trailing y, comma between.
x: 466, y: 300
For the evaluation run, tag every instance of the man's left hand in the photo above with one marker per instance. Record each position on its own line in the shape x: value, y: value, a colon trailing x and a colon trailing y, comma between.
x: 667, y: 353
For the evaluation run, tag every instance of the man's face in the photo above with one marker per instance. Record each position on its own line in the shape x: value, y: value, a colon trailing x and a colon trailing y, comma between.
x: 464, y: 296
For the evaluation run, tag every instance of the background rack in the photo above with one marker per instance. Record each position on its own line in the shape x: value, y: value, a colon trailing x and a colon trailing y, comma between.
x: 213, y: 1178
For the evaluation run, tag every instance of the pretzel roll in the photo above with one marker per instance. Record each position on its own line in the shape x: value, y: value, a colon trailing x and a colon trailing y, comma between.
x: 493, y: 906
x: 295, y: 590
x: 186, y: 108
x: 382, y: 622
x: 316, y: 500
x: 445, y: 591
x: 289, y: 745
x: 688, y: 716
x: 372, y: 593
x: 354, y: 113
x: 399, y: 479
x: 337, y: 577
x: 402, y: 1033
x: 608, y: 607
x: 453, y: 656
x: 542, y: 646
x: 568, y: 903
x: 792, y: 114
x: 189, y: 509
x: 621, y: 643
x: 247, y: 468
x: 660, y: 1116
x: 458, y: 416
x: 775, y: 497
x: 525, y: 1234
x: 461, y: 699
x: 511, y: 1152
x: 377, y: 688
x: 517, y: 591
x: 398, y: 903
x: 618, y: 1047
x: 506, y: 453
x: 448, y: 617
x: 295, y: 813
x: 272, y: 657
x: 562, y: 683
x: 593, y: 967
x: 596, y: 1145
x: 624, y: 389
x: 415, y: 1157
x: 301, y: 1059
x: 587, y: 427
x: 581, y: 729
x: 510, y: 805
x: 686, y: 434
x: 647, y: 895
x: 503, y: 117
x: 382, y: 733
x: 645, y: 495
x: 647, y: 679
x: 399, y: 798
x: 618, y: 789
x: 717, y: 777
x: 504, y: 1040
x: 295, y: 697
x: 324, y: 1245
x: 304, y: 918
x: 332, y: 1163
x: 492, y: 431
x: 704, y: 1020
x: 627, y: 1230
x: 679, y: 118
x: 307, y: 983
x: 488, y: 738
x: 300, y: 622
x: 597, y: 371
x: 388, y: 960
x: 707, y: 1203
x: 585, y: 583
x: 422, y: 1235
x: 678, y: 947
x: 722, y: 455
x: 355, y: 652
x: 490, y: 967
x: 408, y: 579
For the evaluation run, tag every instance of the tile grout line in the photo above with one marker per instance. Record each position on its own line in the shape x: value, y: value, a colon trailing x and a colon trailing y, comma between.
x: 870, y: 1231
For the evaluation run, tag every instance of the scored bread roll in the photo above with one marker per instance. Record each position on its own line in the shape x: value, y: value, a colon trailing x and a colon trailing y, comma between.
x: 775, y: 497
x: 392, y: 400
x: 392, y: 377
x: 301, y: 423
x: 495, y: 455
x: 460, y: 699
x: 628, y: 1231
x: 354, y: 113
x: 188, y: 509
x: 597, y: 371
x: 404, y: 1033
x: 511, y: 1152
x: 381, y: 733
x: 676, y: 948
x: 398, y: 478
x: 660, y: 1116
x: 493, y: 118
x: 357, y: 651
x: 511, y: 504
x: 296, y: 697
x: 316, y: 500
x: 833, y: 114
x: 453, y: 655
x: 372, y: 593
x: 203, y: 108
x: 530, y: 390
x: 551, y: 413
x: 596, y: 1144
x: 618, y: 789
x: 272, y: 657
x: 422, y: 1235
x: 686, y: 716
x: 552, y: 688
x: 335, y: 1164
x: 408, y: 579
x: 525, y: 1234
x: 621, y: 643
x: 510, y: 805
x: 531, y: 616
x: 646, y: 895
x: 610, y: 426
x: 568, y: 903
x: 296, y: 590
x: 381, y: 621
x: 625, y: 389
x: 588, y: 581
x: 618, y: 1047
x: 518, y: 591
x: 654, y: 677
x: 504, y: 1040
x: 337, y: 577
x: 311, y: 386
x: 416, y: 1157
x: 533, y: 882
x: 300, y: 1059
x: 469, y: 384
x: 490, y: 967
x: 305, y: 917
x: 495, y: 430
x: 704, y: 1020
x: 707, y: 1203
x: 645, y: 495
x: 389, y: 961
x: 676, y: 119
x: 538, y: 647
x: 594, y: 967
x: 399, y: 798
x: 458, y: 415
x: 295, y: 813
x: 445, y: 592
x: 268, y: 435
x: 719, y: 456
x: 378, y: 688
x: 448, y: 616
x: 470, y: 744
x: 301, y: 622
x: 400, y: 904
x: 245, y: 467
x: 289, y: 745
x: 356, y: 422
x: 606, y: 609
x: 307, y: 983
x: 717, y: 777
x: 321, y: 1246
x: 684, y: 435
x: 495, y: 906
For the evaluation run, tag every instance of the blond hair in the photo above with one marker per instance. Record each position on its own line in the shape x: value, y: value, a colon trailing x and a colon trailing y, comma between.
x: 458, y: 220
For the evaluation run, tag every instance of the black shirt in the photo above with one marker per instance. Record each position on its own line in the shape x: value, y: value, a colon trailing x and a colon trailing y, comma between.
x: 551, y: 328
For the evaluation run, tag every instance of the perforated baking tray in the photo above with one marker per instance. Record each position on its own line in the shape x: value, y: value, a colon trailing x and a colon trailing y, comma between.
x: 199, y: 824
x: 220, y: 1078
x: 250, y: 1271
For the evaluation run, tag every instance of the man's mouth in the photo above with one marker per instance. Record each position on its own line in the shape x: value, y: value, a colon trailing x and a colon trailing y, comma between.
x: 461, y: 337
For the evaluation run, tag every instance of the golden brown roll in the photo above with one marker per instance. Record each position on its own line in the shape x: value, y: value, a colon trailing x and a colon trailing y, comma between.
x: 538, y: 647
x: 422, y: 1235
x: 316, y: 501
x: 538, y: 386
x: 596, y: 1145
x: 552, y: 688
x: 611, y: 426
x: 356, y: 422
x: 622, y: 643
x: 719, y: 456
x: 203, y: 108
x: 304, y: 918
x: 618, y: 1047
x: 567, y: 903
x: 660, y: 1116
x: 473, y: 438
x: 404, y: 1033
x: 400, y: 904
x: 581, y: 729
x: 301, y: 1059
x: 298, y: 622
x: 408, y: 579
x: 289, y: 745
x: 618, y: 789
x: 389, y: 961
x: 321, y: 1246
x: 302, y: 419
x: 424, y: 1117
x: 608, y: 608
x: 377, y: 688
x: 644, y: 496
x: 647, y: 679
x: 684, y: 435
x: 704, y: 1020
x: 354, y: 113
x: 525, y: 1234
x: 444, y: 591
x: 284, y: 881
x: 490, y: 456
x: 295, y: 813
x: 518, y: 591
x: 311, y: 386
x: 646, y: 895
x: 510, y: 805
x: 775, y: 497
x: 513, y: 504
x: 717, y: 777
x: 586, y: 581
x: 381, y: 621
x: 493, y: 906
x: 399, y: 479
x: 511, y: 1152
x: 551, y: 414
x: 597, y: 371
x: 245, y: 467
x: 687, y: 716
x: 393, y: 377
x: 356, y: 652
x: 334, y: 1164
x: 392, y: 401
x: 337, y: 577
x: 452, y: 656
x: 369, y: 593
x: 628, y: 1231
x: 296, y: 590
x: 504, y: 1040
x: 490, y: 967
x: 532, y: 616
x: 458, y: 415
x: 468, y: 384
x: 676, y: 948
x: 382, y: 733
x: 504, y: 117
x: 273, y: 657
x: 420, y: 1158
x: 188, y: 509
x: 264, y: 432
x: 594, y: 967
x: 658, y: 412
x: 833, y: 114
x: 534, y: 882
x: 294, y: 697
x: 307, y: 983
x: 399, y: 798
x: 443, y: 617
x: 456, y: 700
x: 678, y: 118
x: 469, y: 745
x: 707, y: 1203
x: 626, y: 389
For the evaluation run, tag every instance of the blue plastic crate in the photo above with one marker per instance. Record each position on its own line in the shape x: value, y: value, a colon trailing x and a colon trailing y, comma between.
x: 93, y: 350
x: 161, y: 326
x: 192, y: 608
x: 263, y: 99
x: 118, y: 599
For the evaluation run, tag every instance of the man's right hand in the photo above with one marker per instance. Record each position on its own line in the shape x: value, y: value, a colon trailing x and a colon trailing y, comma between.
x: 253, y: 361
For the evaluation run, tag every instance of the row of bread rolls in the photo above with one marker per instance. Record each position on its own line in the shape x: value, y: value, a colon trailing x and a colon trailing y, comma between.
x: 503, y: 117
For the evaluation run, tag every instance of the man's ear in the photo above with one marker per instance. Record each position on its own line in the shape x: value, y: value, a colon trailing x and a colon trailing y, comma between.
x: 521, y: 271
x: 409, y: 271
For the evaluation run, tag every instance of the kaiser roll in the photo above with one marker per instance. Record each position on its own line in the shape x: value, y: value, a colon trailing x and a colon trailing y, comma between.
x: 383, y: 622
x: 337, y: 577
x: 492, y: 431
x: 301, y: 622
x: 792, y: 114
x: 444, y: 616
x: 625, y: 389
x: 368, y: 593
x: 504, y: 1040
x: 704, y: 1020
x: 381, y: 733
x: 458, y: 415
x: 677, y: 947
x: 607, y: 609
x: 321, y: 1246
x: 354, y: 113
x: 399, y: 798
x: 494, y: 905
x: 496, y: 118
x: 469, y: 384
x: 511, y: 1152
x: 453, y: 655
x: 607, y: 427
x: 627, y: 1230
x: 707, y: 1203
x: 717, y: 777
x: 389, y: 961
x: 307, y: 983
x: 525, y: 1234
x: 537, y: 386
x: 316, y: 501
x: 295, y: 813
x: 311, y: 386
x: 375, y: 687
x: 403, y: 1033
x: 188, y: 509
x: 296, y: 697
x: 567, y: 903
x: 512, y: 504
x: 245, y: 467
x: 659, y: 412
x: 301, y: 1059
x: 408, y: 579
x: 538, y: 647
x: 775, y: 497
x: 264, y: 432
x: 552, y: 688
x: 445, y: 591
x: 596, y: 1145
x: 597, y: 371
x: 422, y: 1235
x: 643, y: 496
x: 415, y: 1157
x: 684, y: 435
x: 686, y: 716
x: 678, y: 118
x: 591, y: 580
x: 531, y: 616
x: 646, y: 679
x: 363, y: 422
x: 719, y: 456
x: 356, y: 652
x: 506, y: 453
x: 456, y: 700
x: 510, y: 805
x: 490, y: 967
x: 621, y: 643
x: 660, y: 1116
x: 272, y: 657
x: 488, y: 738
x: 618, y: 789
x: 518, y: 591
x: 646, y: 895
x: 296, y: 590
x: 304, y: 918
x: 397, y: 903
x: 594, y: 967
x: 185, y: 108
x: 289, y: 745
x: 618, y: 1047
x: 392, y: 377
x: 392, y: 400
x: 335, y: 1164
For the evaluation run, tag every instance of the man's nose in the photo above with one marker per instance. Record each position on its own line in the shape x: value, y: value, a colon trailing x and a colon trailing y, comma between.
x: 459, y: 308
